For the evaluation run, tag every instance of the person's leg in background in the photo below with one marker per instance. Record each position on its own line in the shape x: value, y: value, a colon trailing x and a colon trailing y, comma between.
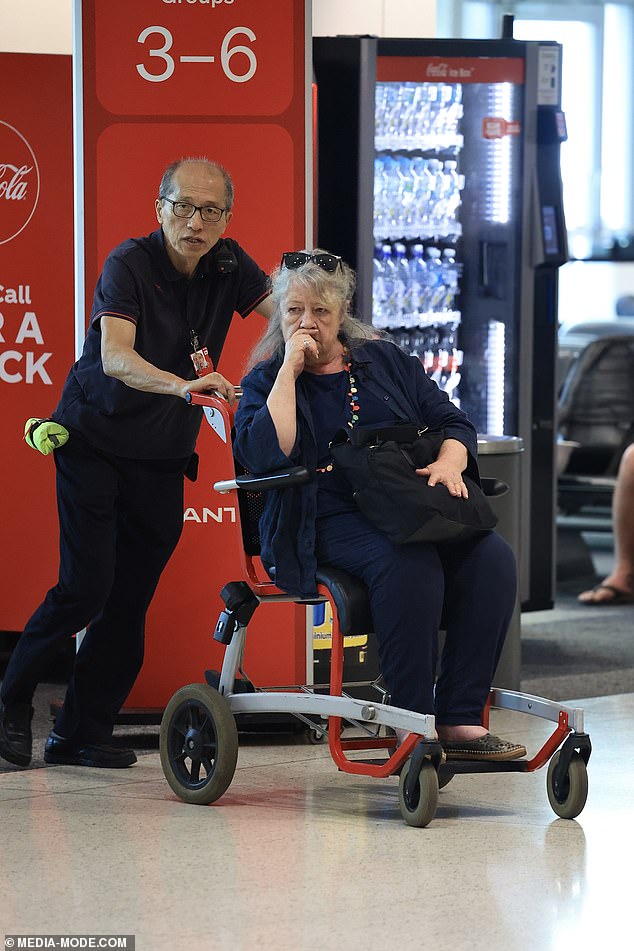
x: 618, y: 587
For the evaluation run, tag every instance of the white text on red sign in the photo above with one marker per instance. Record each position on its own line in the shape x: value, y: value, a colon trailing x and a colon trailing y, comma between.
x: 227, y: 53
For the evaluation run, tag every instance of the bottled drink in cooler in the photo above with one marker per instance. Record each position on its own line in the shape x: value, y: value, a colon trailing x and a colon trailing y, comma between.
x: 418, y: 283
x: 435, y: 285
x: 451, y: 275
x: 401, y: 285
x: 389, y: 284
x: 379, y: 295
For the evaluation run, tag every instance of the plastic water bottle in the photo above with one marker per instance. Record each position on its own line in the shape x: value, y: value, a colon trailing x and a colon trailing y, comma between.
x: 379, y: 295
x: 380, y: 191
x: 401, y: 284
x: 453, y: 198
x: 391, y: 198
x: 389, y: 309
x: 450, y: 279
x: 435, y: 280
x: 417, y: 283
x: 382, y: 108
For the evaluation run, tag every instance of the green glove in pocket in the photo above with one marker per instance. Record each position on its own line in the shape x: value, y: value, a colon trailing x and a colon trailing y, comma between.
x: 45, y: 435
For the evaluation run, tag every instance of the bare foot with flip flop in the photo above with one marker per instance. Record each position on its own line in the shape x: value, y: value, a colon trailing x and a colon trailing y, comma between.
x: 618, y: 587
x: 606, y: 595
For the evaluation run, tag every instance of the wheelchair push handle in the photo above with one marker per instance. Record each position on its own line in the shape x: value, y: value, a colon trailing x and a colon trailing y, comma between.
x: 206, y: 399
x: 282, y: 479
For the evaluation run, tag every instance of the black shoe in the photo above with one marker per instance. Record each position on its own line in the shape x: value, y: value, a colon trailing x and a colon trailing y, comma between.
x: 64, y: 753
x: 16, y: 740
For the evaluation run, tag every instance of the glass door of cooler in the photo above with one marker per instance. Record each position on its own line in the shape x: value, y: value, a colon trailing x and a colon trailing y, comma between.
x: 417, y: 196
x: 447, y: 232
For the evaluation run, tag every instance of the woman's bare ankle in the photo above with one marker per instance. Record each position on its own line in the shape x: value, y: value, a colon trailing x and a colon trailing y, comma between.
x: 467, y: 731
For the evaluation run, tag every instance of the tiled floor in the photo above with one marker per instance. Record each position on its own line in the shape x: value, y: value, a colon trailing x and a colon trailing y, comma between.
x: 298, y: 856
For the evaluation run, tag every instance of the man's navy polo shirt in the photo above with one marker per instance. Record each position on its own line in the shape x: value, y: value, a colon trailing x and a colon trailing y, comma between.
x: 139, y: 283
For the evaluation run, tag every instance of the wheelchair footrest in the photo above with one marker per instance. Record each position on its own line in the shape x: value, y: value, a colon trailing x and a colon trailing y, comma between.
x: 454, y: 766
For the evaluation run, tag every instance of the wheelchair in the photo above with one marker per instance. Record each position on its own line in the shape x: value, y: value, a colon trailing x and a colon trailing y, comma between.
x: 199, y: 736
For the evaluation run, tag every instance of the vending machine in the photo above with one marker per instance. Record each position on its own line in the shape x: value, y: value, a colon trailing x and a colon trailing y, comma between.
x: 438, y: 180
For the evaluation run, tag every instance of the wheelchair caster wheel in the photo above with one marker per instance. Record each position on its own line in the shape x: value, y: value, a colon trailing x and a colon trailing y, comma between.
x: 198, y: 744
x: 418, y: 805
x: 568, y: 796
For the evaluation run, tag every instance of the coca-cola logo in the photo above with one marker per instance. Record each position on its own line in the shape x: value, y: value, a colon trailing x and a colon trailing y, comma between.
x: 19, y: 182
x: 437, y: 70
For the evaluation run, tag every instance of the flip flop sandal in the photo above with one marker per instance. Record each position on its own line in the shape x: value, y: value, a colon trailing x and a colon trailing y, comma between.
x: 618, y: 597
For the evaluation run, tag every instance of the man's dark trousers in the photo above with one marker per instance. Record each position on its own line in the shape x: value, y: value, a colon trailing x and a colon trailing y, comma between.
x: 120, y: 520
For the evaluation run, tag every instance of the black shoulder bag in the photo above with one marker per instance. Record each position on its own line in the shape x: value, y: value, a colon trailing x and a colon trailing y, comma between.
x: 380, y: 465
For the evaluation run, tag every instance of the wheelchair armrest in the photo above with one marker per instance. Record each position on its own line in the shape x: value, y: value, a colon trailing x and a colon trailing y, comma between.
x: 493, y: 487
x: 282, y: 479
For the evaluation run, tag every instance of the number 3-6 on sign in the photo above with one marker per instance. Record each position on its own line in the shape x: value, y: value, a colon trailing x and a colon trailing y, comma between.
x: 165, y: 41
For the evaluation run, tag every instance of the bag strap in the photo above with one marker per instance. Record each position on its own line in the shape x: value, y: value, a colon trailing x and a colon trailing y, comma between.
x: 399, y: 433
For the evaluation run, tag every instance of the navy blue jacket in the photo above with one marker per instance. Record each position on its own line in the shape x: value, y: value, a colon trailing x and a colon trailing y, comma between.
x: 287, y: 527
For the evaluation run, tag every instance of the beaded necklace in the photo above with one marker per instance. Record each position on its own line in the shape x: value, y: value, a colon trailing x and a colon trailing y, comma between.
x: 353, y: 400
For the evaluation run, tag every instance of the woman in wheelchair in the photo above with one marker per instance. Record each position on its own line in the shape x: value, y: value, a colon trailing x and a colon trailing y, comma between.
x: 317, y: 370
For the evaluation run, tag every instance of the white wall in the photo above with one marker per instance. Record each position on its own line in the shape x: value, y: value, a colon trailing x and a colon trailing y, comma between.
x: 36, y: 26
x: 378, y: 17
x: 45, y: 26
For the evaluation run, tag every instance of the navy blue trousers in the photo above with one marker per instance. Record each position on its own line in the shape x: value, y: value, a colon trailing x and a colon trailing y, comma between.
x: 120, y: 520
x: 466, y: 587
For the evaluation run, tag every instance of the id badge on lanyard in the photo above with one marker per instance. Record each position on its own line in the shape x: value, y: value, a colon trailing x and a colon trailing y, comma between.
x: 200, y: 358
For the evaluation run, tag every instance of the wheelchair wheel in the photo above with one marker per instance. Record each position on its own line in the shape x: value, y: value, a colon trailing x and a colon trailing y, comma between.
x: 419, y: 808
x: 198, y: 744
x: 568, y: 797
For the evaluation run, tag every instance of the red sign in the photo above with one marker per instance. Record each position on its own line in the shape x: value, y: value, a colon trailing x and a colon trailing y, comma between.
x: 224, y: 80
x: 494, y: 127
x: 453, y: 69
x: 212, y: 60
x: 36, y: 312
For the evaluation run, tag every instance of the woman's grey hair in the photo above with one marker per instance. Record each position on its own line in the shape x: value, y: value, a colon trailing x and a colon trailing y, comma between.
x: 168, y: 177
x: 338, y: 285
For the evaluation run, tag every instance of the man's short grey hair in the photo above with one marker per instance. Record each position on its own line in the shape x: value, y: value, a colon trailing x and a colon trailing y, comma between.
x: 168, y: 177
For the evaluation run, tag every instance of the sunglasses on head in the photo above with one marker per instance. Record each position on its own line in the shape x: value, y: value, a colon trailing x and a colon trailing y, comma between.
x: 294, y: 259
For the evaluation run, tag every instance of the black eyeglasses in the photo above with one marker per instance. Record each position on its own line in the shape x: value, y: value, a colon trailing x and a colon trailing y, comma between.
x: 185, y: 209
x: 294, y: 259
